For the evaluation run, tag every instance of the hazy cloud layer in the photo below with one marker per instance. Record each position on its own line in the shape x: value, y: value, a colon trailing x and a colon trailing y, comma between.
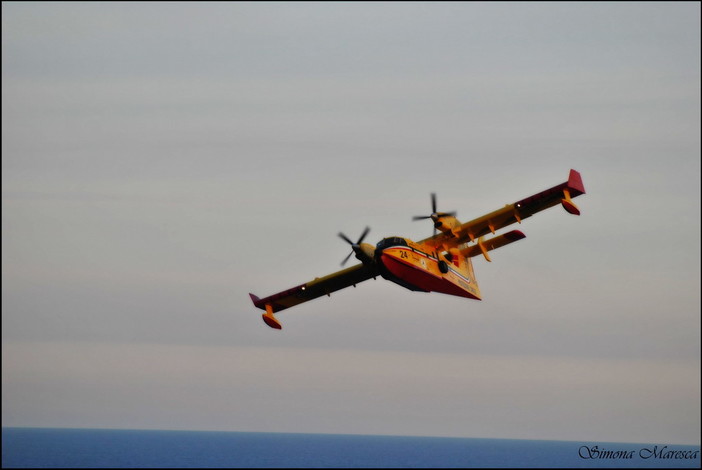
x: 161, y: 161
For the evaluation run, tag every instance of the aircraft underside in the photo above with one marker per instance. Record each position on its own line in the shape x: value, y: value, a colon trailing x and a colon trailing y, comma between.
x: 420, y: 272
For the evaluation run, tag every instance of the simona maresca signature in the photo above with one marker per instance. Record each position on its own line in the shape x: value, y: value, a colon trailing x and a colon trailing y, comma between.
x: 655, y: 452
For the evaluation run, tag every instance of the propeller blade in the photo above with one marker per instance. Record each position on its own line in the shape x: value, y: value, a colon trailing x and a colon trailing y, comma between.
x: 435, y: 215
x: 345, y: 238
x: 346, y: 259
x: 353, y: 245
x: 363, y: 236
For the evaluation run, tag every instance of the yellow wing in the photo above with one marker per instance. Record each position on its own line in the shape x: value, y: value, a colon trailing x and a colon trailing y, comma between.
x: 511, y: 213
x: 311, y: 290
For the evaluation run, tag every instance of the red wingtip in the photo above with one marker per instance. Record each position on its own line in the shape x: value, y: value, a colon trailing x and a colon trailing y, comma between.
x: 255, y: 300
x: 575, y: 182
x: 514, y: 235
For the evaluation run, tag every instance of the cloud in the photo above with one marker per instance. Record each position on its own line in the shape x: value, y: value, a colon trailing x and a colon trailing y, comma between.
x: 161, y: 161
x: 348, y: 391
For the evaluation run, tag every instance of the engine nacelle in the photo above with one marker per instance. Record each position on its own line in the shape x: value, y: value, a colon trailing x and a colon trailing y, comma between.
x: 365, y: 253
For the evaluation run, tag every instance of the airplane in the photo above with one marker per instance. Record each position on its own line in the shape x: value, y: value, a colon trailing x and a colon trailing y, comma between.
x: 441, y: 263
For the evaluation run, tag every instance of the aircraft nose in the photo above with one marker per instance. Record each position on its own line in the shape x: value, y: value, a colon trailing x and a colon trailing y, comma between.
x: 364, y: 252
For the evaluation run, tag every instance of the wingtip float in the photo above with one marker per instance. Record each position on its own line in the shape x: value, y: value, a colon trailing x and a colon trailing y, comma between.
x: 268, y: 317
x: 441, y: 263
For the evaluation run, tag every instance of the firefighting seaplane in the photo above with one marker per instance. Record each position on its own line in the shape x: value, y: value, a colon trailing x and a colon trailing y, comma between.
x: 440, y: 263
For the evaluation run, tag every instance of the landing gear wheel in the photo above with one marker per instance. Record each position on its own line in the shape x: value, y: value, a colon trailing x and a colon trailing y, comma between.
x: 443, y: 267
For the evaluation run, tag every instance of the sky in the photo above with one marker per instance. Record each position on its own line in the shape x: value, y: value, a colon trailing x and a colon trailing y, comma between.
x: 162, y: 160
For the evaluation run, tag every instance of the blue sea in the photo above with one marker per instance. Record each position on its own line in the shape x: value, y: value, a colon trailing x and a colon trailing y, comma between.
x: 110, y: 448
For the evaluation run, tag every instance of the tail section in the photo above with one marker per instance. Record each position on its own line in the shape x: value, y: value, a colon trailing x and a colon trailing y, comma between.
x: 459, y: 272
x: 473, y: 282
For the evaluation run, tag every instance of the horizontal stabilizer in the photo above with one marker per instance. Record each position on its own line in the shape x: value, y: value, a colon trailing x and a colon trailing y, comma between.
x: 483, y: 246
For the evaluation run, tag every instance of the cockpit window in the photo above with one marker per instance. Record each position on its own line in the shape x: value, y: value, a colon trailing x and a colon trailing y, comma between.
x: 391, y: 241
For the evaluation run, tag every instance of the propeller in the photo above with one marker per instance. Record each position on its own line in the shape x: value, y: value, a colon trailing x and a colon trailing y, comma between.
x: 435, y: 216
x: 355, y: 246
